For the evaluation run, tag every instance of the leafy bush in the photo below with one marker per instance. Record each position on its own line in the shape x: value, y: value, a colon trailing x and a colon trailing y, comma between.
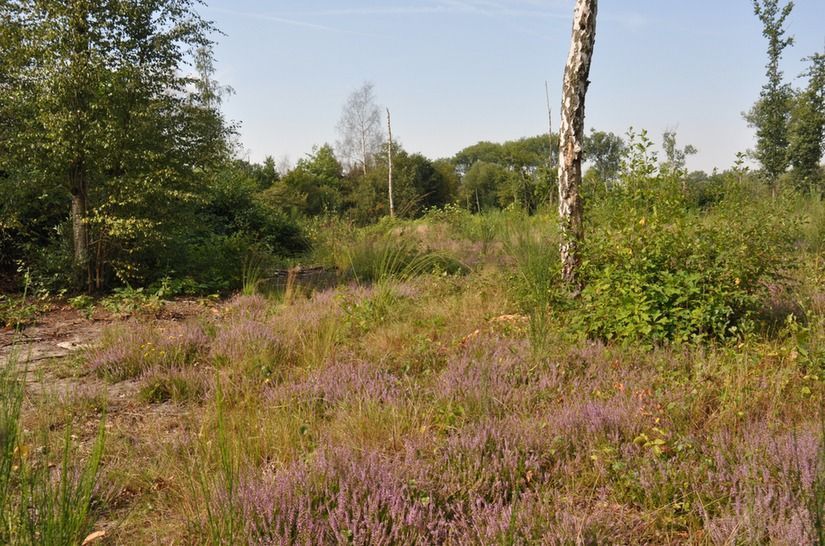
x: 659, y: 272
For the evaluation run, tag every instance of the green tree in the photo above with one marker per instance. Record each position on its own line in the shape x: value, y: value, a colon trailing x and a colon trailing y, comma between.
x: 807, y: 128
x: 97, y: 99
x: 676, y: 158
x: 523, y: 175
x: 771, y: 113
x: 313, y: 187
x: 481, y: 185
x: 418, y: 184
x: 604, y: 151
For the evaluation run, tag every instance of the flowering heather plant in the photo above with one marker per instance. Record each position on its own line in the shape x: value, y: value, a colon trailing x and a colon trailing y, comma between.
x: 251, y: 342
x: 769, y: 479
x: 252, y: 307
x: 339, y: 497
x: 492, y: 462
x: 187, y: 340
x: 124, y: 352
x: 346, y: 380
x: 129, y: 351
x: 618, y: 419
x: 495, y: 374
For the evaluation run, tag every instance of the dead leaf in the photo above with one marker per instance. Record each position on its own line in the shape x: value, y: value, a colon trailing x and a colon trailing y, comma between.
x: 93, y: 537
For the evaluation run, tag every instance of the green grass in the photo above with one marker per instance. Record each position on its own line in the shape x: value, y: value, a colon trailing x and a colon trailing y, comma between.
x: 45, y: 492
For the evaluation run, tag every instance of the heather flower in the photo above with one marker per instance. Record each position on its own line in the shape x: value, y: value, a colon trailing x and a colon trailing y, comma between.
x: 254, y: 307
x: 617, y: 418
x: 344, y: 380
x: 245, y: 340
x: 338, y: 497
x: 129, y: 351
x: 769, y: 478
x: 124, y: 352
x: 495, y: 374
x: 186, y: 341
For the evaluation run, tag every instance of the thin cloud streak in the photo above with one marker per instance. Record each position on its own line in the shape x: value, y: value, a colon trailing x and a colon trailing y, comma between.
x: 287, y: 21
x: 441, y: 7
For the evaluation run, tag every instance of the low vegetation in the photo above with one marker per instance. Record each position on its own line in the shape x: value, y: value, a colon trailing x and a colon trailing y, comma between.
x: 414, y: 402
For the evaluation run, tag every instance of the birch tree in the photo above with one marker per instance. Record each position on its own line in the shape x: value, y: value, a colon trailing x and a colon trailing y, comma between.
x: 361, y: 136
x: 571, y: 134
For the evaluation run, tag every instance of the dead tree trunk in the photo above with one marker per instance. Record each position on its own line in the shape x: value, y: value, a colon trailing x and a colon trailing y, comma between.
x: 389, y: 164
x: 571, y: 135
x: 549, y: 122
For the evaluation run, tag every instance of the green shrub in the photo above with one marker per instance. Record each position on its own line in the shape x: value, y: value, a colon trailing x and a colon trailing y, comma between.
x: 657, y: 271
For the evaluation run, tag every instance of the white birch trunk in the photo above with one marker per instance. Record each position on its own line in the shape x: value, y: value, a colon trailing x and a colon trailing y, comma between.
x: 571, y: 135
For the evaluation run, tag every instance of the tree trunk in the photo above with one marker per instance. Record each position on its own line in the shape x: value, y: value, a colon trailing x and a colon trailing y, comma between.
x: 389, y: 164
x: 80, y: 225
x: 364, y: 150
x: 78, y: 179
x: 571, y: 135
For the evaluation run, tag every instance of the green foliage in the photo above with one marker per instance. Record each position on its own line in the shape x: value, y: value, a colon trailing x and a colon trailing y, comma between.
x: 17, y: 313
x: 514, y: 172
x: 658, y: 271
x: 604, y: 151
x: 480, y: 186
x: 130, y: 300
x: 119, y: 131
x: 418, y: 184
x: 313, y: 187
x: 139, y: 148
x: 770, y: 115
x: 807, y: 130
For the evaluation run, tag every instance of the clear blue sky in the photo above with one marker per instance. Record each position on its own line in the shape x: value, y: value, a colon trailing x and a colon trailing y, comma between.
x: 455, y: 72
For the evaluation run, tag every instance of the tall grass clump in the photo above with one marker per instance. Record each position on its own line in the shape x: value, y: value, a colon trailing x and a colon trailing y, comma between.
x: 536, y: 283
x: 372, y: 259
x: 214, y: 482
x: 11, y: 398
x: 812, y: 208
x: 43, y: 500
x: 252, y: 273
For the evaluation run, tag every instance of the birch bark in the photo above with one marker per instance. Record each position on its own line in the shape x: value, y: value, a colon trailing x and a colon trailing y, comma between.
x: 571, y: 136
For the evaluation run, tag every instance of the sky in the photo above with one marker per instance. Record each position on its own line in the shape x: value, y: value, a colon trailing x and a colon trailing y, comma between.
x: 455, y: 72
